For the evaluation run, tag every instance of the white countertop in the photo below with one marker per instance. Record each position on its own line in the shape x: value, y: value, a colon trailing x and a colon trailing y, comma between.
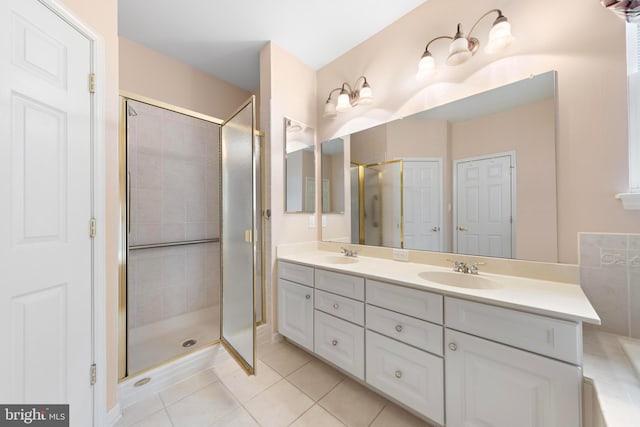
x: 553, y: 299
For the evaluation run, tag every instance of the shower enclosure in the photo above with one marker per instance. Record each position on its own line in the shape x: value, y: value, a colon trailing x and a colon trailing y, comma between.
x: 191, y: 252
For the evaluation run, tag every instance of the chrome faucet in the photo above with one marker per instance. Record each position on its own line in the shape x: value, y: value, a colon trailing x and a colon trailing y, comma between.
x: 349, y: 252
x: 463, y: 267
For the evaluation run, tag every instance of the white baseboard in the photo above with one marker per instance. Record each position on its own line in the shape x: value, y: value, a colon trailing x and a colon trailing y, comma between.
x: 113, y: 416
x: 169, y: 374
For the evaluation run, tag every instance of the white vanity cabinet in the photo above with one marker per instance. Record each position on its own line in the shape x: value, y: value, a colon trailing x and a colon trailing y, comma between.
x: 496, y: 385
x: 295, y: 303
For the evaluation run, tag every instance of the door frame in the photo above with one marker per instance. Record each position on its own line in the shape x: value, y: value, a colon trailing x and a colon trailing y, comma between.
x: 98, y: 202
x: 454, y: 199
x: 440, y: 162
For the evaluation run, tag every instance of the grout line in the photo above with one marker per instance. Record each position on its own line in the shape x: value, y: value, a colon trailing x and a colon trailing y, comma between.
x: 379, y: 412
x: 168, y: 416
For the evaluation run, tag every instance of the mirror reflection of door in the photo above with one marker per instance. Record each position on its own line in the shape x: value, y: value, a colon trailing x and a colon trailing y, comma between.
x: 484, y: 205
x: 422, y: 211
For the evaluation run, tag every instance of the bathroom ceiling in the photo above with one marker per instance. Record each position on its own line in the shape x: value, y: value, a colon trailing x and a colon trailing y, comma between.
x: 224, y: 38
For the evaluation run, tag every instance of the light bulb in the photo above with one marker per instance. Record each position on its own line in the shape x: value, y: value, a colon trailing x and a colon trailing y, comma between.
x: 344, y: 103
x: 366, y: 94
x: 426, y: 66
x: 329, y: 109
x: 500, y: 35
x: 459, y: 52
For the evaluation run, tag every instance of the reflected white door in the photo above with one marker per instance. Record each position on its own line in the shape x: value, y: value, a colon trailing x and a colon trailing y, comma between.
x: 422, y: 195
x: 45, y: 188
x: 484, y: 206
x: 239, y: 234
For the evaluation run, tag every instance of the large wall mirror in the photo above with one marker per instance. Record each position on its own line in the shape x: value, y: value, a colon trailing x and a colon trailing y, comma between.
x: 476, y: 176
x: 300, y: 169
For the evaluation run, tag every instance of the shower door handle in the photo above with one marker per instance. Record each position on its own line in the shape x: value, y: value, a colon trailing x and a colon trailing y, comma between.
x: 128, y: 202
x: 248, y: 236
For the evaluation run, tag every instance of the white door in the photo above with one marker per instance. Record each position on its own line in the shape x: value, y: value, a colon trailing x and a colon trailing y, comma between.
x: 295, y: 313
x: 45, y: 188
x: 493, y: 385
x: 484, y: 206
x: 422, y: 193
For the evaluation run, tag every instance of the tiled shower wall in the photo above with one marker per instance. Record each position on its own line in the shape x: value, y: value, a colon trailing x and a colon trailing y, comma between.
x: 610, y: 277
x: 174, y: 174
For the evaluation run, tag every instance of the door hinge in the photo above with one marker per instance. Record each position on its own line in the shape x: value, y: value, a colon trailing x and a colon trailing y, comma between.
x: 92, y: 228
x: 92, y: 83
x: 93, y: 376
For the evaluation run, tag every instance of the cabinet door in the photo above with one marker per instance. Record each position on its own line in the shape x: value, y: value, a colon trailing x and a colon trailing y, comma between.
x: 295, y: 313
x: 493, y: 385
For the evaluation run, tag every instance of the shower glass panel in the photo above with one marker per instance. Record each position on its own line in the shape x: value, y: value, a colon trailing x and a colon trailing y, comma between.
x: 382, y: 201
x: 240, y: 163
x: 173, y: 263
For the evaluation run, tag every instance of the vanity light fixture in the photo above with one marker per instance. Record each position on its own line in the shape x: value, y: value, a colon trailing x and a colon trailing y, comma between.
x: 359, y: 94
x: 463, y: 47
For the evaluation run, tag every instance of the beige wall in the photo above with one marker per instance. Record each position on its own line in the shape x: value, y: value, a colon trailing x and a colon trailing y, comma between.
x: 287, y: 88
x: 535, y: 214
x: 102, y: 17
x: 146, y: 72
x: 592, y: 150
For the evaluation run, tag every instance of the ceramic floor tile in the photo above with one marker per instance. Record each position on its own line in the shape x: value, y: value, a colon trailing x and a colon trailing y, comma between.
x: 353, y: 404
x: 286, y: 359
x: 237, y: 418
x: 394, y: 416
x: 279, y: 405
x: 317, y: 416
x: 159, y: 419
x: 140, y: 410
x: 244, y: 386
x: 203, y: 407
x: 226, y: 367
x: 190, y: 385
x: 316, y: 378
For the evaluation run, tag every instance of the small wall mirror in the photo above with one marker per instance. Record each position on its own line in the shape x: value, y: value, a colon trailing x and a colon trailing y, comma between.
x: 300, y: 167
x: 332, y: 156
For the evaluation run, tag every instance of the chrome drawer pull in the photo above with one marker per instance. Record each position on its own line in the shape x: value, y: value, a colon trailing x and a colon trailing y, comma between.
x: 398, y: 374
x: 336, y: 306
x: 334, y: 343
x: 453, y: 347
x: 399, y: 328
x: 307, y: 296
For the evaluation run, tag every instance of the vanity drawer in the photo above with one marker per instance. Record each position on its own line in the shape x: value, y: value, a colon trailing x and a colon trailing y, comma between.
x: 415, y: 332
x: 412, y: 302
x: 295, y: 273
x: 555, y: 338
x: 409, y: 375
x: 342, y: 307
x: 340, y: 342
x: 341, y: 284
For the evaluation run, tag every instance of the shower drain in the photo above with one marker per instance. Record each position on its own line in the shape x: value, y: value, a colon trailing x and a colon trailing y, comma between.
x: 189, y: 343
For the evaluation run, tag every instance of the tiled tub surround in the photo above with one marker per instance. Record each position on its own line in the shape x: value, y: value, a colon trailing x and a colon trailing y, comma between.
x: 477, y: 329
x: 610, y: 277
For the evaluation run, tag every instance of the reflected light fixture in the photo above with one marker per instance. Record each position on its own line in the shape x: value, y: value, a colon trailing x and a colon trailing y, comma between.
x: 359, y: 94
x: 463, y: 47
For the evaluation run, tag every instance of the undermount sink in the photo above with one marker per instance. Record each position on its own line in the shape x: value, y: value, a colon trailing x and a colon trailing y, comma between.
x: 338, y: 259
x: 459, y: 280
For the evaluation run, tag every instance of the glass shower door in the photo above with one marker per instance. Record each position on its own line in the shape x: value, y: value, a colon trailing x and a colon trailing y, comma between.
x: 239, y: 235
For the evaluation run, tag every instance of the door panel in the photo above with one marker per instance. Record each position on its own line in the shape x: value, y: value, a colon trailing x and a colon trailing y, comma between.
x: 484, y: 207
x: 422, y: 192
x: 45, y: 183
x: 238, y: 235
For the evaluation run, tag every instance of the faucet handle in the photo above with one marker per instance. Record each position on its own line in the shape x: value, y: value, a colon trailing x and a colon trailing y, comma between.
x: 475, y: 267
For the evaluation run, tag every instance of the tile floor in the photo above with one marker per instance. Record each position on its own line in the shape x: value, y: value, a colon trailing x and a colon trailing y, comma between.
x: 292, y: 388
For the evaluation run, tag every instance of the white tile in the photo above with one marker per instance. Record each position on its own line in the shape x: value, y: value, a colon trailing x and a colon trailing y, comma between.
x: 203, y: 407
x: 316, y: 378
x: 190, y: 385
x: 317, y: 416
x: 158, y: 419
x: 394, y: 416
x: 353, y: 404
x: 141, y: 410
x: 237, y: 418
x: 607, y: 289
x: 279, y: 405
x: 286, y: 359
x: 244, y: 387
